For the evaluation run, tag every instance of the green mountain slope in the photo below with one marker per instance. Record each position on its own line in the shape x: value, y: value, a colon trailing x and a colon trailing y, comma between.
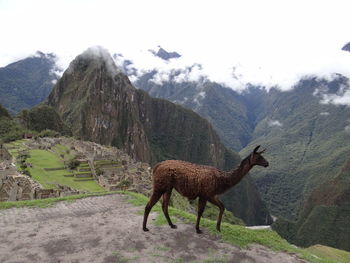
x: 325, y: 216
x: 43, y: 117
x: 10, y: 129
x: 27, y: 82
x: 306, y: 141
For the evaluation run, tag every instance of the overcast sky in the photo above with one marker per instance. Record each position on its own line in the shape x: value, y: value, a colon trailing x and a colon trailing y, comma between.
x: 267, y: 42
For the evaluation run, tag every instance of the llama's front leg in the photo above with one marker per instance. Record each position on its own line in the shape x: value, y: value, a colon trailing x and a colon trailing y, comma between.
x: 215, y: 201
x: 201, y: 205
x: 153, y: 200
x: 165, y: 204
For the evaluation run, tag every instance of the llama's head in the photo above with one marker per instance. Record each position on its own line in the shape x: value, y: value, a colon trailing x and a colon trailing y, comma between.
x: 256, y: 158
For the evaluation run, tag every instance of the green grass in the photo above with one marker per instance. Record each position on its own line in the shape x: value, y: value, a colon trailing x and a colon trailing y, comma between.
x: 63, y: 149
x: 44, y: 159
x: 18, y: 145
x: 85, y: 172
x: 106, y: 162
x: 83, y: 165
x: 329, y: 252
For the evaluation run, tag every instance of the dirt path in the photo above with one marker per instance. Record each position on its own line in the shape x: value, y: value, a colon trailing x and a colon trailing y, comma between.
x: 108, y: 229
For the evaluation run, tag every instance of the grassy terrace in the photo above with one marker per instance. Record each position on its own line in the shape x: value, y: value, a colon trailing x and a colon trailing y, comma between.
x: 16, y: 147
x: 60, y: 149
x: 233, y: 234
x: 41, y: 159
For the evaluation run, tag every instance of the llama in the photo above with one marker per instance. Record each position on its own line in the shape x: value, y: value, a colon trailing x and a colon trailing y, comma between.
x: 192, y: 181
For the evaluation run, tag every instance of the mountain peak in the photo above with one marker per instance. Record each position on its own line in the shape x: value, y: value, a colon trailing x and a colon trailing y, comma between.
x: 39, y: 54
x: 163, y: 54
x: 94, y: 56
x: 346, y: 47
x: 97, y: 52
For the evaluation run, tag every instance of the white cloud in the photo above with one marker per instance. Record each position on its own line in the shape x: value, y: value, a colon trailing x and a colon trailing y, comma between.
x: 267, y: 42
x: 324, y: 113
x: 56, y: 72
x: 160, y: 77
x: 347, y: 128
x: 199, y: 97
x: 343, y: 99
x: 340, y: 97
x: 274, y: 123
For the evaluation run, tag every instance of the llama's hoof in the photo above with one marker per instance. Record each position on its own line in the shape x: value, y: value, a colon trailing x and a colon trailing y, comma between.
x: 173, y: 226
x: 199, y: 231
x: 145, y: 229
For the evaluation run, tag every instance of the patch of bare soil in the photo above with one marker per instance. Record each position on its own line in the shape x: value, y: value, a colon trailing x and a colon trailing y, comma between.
x: 108, y: 229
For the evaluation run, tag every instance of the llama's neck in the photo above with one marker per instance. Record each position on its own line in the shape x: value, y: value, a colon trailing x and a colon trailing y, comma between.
x: 236, y: 175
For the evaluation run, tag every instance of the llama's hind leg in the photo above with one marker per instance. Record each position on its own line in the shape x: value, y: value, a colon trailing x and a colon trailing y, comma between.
x: 153, y: 200
x: 201, y: 205
x: 165, y: 204
x: 215, y: 201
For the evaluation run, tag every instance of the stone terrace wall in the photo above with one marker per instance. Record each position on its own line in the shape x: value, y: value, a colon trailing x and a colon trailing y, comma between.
x: 4, y: 154
x: 17, y: 187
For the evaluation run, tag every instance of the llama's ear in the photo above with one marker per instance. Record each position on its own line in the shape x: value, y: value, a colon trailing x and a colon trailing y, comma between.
x: 262, y: 151
x: 256, y: 148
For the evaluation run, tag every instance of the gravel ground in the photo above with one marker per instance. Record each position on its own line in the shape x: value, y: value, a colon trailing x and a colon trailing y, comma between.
x: 108, y: 229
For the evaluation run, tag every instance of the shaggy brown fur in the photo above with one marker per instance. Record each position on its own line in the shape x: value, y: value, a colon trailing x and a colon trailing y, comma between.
x: 192, y: 181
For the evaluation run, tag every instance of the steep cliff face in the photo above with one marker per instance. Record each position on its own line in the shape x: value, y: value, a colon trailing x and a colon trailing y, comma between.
x: 101, y: 105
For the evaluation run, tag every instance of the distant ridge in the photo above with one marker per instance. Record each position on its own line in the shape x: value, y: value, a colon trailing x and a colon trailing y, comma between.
x: 346, y: 47
x: 27, y: 82
x: 162, y: 53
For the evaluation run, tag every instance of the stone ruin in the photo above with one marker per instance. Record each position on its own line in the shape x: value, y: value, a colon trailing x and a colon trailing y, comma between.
x: 116, y: 171
x: 130, y: 176
x: 122, y: 171
x: 4, y: 153
x: 16, y: 187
